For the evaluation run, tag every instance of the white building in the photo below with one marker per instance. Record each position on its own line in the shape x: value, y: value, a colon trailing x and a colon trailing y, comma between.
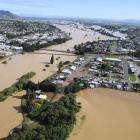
x: 43, y: 97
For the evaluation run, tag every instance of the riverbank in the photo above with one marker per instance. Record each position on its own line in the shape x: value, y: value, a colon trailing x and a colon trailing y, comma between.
x: 107, y: 114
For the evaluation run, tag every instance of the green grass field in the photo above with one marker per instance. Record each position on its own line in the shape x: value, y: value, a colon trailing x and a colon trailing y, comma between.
x: 132, y: 78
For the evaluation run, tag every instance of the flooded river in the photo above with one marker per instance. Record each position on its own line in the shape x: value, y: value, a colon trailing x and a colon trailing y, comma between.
x: 107, y: 115
x: 21, y: 64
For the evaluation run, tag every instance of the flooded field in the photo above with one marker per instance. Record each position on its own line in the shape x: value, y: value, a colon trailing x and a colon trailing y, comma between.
x: 18, y: 65
x: 115, y: 33
x: 107, y: 115
x: 21, y: 64
x: 79, y: 35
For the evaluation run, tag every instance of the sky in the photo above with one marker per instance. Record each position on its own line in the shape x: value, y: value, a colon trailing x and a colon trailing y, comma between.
x: 105, y: 9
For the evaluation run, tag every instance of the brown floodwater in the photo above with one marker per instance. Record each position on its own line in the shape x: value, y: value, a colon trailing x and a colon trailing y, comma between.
x: 10, y: 114
x: 21, y: 64
x: 107, y: 115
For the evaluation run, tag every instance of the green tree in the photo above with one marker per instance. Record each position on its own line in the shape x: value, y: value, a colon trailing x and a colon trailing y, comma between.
x: 52, y: 60
x: 60, y: 65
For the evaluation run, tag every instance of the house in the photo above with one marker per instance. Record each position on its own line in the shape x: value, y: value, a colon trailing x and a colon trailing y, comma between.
x: 17, y: 49
x: 43, y: 97
x: 73, y: 67
x: 132, y: 67
x: 99, y: 59
x: 62, y: 77
x: 82, y: 59
x: 66, y: 71
x: 78, y: 63
x: 38, y: 91
x: 58, y: 82
x: 119, y: 86
x: 113, y: 59
x: 92, y: 86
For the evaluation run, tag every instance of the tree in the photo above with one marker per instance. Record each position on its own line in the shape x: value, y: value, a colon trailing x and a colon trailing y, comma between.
x: 57, y: 120
x: 28, y: 93
x: 52, y: 59
x: 60, y: 65
x: 30, y: 85
x: 30, y: 105
x: 136, y: 87
x: 47, y: 86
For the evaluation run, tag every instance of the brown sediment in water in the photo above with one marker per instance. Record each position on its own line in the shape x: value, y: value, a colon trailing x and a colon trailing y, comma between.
x: 21, y: 64
x: 107, y: 115
x: 10, y: 114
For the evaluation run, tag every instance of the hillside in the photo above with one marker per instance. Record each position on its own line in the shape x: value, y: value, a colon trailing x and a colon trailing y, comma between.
x: 8, y: 15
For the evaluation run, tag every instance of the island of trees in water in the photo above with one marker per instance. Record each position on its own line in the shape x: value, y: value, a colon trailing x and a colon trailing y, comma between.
x: 54, y: 120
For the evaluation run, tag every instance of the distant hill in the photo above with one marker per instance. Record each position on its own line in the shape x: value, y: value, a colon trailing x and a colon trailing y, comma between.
x: 131, y: 21
x: 8, y: 15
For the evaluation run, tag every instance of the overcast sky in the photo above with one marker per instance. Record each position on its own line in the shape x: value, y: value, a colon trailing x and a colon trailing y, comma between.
x: 107, y: 9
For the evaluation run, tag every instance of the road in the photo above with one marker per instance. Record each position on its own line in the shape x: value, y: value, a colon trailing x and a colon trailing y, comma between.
x: 125, y: 69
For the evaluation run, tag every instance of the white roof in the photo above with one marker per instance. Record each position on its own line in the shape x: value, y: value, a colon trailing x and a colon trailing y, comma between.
x: 124, y: 50
x: 133, y: 70
x: 38, y: 91
x: 95, y: 82
x: 113, y: 59
x: 99, y: 59
x: 59, y: 81
x: 42, y: 97
x: 92, y: 86
x: 61, y: 76
x: 82, y: 59
x: 78, y: 63
x: 90, y: 70
x: 66, y: 71
x: 132, y: 65
x: 17, y: 48
x: 136, y: 60
x: 73, y: 67
x: 94, y: 67
x: 119, y: 86
x: 93, y: 70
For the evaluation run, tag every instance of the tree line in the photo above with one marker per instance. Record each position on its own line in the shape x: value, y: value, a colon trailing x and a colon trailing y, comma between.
x: 56, y: 121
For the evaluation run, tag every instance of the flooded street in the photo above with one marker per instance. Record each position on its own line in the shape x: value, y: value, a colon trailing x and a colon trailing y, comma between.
x: 21, y: 64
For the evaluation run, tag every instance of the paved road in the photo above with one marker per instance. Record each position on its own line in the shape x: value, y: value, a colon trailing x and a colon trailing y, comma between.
x: 125, y: 69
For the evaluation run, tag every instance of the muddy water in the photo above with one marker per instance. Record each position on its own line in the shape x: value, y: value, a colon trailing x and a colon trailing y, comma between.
x: 21, y: 64
x: 108, y: 115
x: 10, y: 114
x: 79, y: 35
